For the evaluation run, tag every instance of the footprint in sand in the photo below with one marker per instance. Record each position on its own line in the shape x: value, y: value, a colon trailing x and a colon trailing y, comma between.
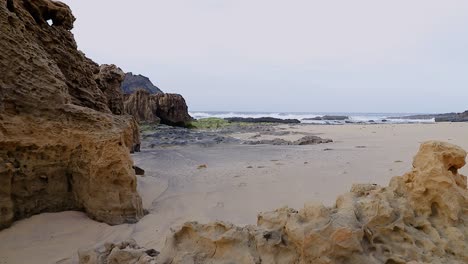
x: 242, y: 184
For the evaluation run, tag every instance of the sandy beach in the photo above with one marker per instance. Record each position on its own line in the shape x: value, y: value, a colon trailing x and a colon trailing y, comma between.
x: 233, y: 182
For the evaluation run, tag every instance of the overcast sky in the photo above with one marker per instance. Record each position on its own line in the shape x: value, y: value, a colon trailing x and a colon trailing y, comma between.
x: 296, y: 55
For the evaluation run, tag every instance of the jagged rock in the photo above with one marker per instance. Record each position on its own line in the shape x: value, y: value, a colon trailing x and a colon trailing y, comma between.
x: 419, y: 218
x: 142, y: 106
x: 109, y: 79
x: 262, y: 120
x: 132, y: 83
x: 172, y: 109
x: 123, y: 253
x: 61, y: 148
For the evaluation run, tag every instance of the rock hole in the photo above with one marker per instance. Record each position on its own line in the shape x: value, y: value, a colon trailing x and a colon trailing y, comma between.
x: 10, y: 5
x: 152, y: 252
x: 392, y: 261
x: 434, y: 209
x: 267, y: 236
x: 454, y: 170
x: 377, y: 240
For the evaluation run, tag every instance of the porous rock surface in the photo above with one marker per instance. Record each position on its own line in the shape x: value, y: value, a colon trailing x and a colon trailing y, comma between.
x: 61, y: 148
x: 419, y: 218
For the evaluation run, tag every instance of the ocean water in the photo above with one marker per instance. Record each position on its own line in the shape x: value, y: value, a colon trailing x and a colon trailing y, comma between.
x: 370, y: 118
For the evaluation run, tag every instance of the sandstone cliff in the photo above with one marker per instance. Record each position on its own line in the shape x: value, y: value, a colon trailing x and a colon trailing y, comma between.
x: 61, y: 148
x: 169, y: 109
x: 136, y: 82
x: 419, y: 218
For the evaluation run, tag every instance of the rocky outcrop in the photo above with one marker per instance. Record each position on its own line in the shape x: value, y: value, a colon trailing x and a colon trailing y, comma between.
x: 61, y: 148
x: 172, y: 109
x: 328, y: 117
x: 419, y: 218
x: 168, y: 109
x: 142, y: 106
x: 263, y: 120
x: 447, y: 117
x: 133, y: 83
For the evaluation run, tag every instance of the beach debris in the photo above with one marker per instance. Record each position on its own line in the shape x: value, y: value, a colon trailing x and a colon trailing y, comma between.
x: 360, y: 147
x: 202, y: 166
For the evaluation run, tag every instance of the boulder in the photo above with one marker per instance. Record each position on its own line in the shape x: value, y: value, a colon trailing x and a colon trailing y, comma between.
x: 172, y: 109
x: 419, y: 218
x: 61, y: 146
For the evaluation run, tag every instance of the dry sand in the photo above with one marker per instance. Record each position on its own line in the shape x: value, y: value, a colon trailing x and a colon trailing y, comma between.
x: 237, y: 183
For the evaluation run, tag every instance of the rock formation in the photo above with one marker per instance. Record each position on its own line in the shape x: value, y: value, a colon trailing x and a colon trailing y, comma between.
x: 328, y: 117
x: 169, y: 109
x: 262, y: 120
x: 133, y: 83
x: 61, y: 148
x: 172, y: 109
x: 447, y: 117
x: 142, y: 106
x: 108, y: 80
x: 306, y: 140
x: 419, y: 218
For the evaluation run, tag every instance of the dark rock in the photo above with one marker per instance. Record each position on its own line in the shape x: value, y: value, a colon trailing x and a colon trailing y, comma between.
x: 306, y: 140
x: 263, y: 120
x: 447, y: 117
x: 328, y: 117
x: 138, y: 170
x: 133, y: 83
x: 172, y: 109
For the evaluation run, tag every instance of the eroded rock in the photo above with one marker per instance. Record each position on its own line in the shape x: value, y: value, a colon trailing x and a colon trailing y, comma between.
x: 419, y: 218
x: 61, y: 148
x: 142, y: 106
x: 172, y: 109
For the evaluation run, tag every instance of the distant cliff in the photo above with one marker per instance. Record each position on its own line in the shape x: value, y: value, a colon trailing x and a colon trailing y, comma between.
x: 132, y: 83
x: 447, y: 117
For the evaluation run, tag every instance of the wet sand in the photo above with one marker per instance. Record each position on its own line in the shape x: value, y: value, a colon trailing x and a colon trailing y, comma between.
x: 237, y: 182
